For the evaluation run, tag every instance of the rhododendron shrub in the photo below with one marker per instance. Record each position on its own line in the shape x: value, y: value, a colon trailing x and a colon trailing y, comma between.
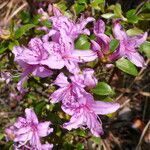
x: 62, y: 61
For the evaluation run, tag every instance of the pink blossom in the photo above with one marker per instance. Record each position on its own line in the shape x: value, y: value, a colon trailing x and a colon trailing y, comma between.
x: 85, y: 79
x: 102, y: 42
x: 129, y: 45
x: 63, y: 53
x: 70, y: 91
x: 33, y: 59
x: 60, y: 22
x: 26, y: 132
x: 85, y: 112
x: 72, y: 28
x: 101, y: 37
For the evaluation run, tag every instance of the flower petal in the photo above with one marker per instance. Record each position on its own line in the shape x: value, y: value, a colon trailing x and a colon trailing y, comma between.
x: 118, y: 32
x: 99, y: 27
x: 31, y: 116
x: 72, y: 66
x: 136, y: 59
x: 61, y: 80
x: 103, y: 108
x: 54, y: 61
x: 58, y: 95
x: 43, y: 129
x: 75, y: 122
x: 138, y: 40
x: 42, y: 71
x: 84, y: 56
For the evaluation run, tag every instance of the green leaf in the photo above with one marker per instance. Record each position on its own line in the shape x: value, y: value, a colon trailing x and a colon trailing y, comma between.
x: 118, y: 11
x: 22, y: 30
x: 131, y: 16
x: 62, y: 6
x: 82, y: 1
x: 12, y: 44
x: 126, y: 66
x: 108, y: 15
x: 144, y: 16
x: 98, y: 4
x: 96, y: 140
x: 82, y: 43
x: 46, y: 23
x: 25, y: 17
x: 113, y: 45
x: 3, y: 47
x: 79, y: 146
x: 78, y: 8
x: 81, y: 132
x: 134, y: 31
x: 103, y: 88
x: 35, y: 19
x: 147, y: 5
x: 145, y: 47
x: 39, y: 107
x: 1, y: 136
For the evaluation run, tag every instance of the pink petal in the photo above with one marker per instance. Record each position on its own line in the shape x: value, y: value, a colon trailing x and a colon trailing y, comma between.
x: 84, y: 56
x: 74, y: 123
x: 103, y: 108
x: 31, y: 116
x: 73, y: 67
x: 89, y: 79
x: 24, y: 137
x: 46, y: 146
x: 58, y: 95
x: 43, y: 129
x: 99, y: 27
x: 95, y: 46
x: 54, y: 61
x: 42, y: 71
x: 24, y: 77
x: 138, y: 40
x: 23, y: 130
x: 35, y: 140
x: 93, y: 124
x: 118, y: 32
x: 46, y: 37
x: 84, y: 22
x: 136, y: 59
x: 61, y: 80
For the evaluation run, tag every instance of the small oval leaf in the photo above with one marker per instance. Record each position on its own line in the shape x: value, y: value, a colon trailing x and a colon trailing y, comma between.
x: 113, y: 45
x: 103, y: 88
x: 82, y: 43
x: 126, y: 66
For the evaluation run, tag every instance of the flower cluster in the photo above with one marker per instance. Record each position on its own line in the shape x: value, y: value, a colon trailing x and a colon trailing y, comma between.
x: 127, y: 44
x: 56, y: 51
x: 26, y: 132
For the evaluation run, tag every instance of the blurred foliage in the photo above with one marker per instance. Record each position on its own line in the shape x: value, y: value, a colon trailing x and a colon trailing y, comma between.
x: 136, y: 20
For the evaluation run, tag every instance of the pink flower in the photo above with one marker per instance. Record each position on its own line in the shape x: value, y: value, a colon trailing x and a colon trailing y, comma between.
x: 33, y: 59
x: 60, y: 22
x: 85, y: 112
x: 85, y: 78
x: 72, y: 28
x: 27, y: 132
x: 63, y: 53
x: 70, y: 91
x: 129, y: 45
x: 102, y: 39
x: 101, y: 45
